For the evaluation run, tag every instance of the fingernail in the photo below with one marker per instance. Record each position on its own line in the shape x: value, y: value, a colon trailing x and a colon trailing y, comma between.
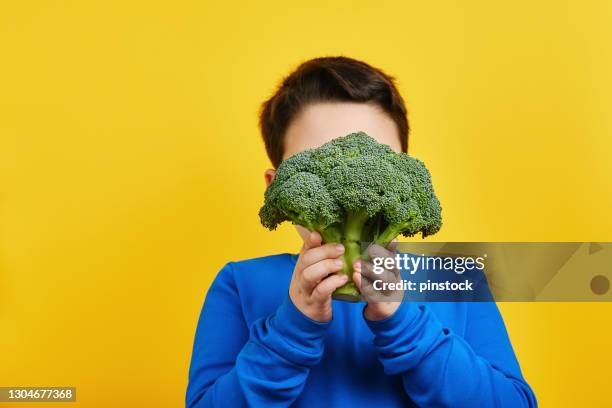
x: 340, y: 248
x: 357, y: 266
x: 338, y: 262
x: 344, y: 278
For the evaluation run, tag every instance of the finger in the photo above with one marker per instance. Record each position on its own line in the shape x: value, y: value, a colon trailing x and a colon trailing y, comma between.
x: 316, y: 272
x: 375, y: 290
x: 322, y: 252
x: 357, y: 279
x: 367, y: 270
x: 378, y: 251
x: 365, y: 287
x: 326, y: 287
x: 366, y: 277
x: 392, y: 246
x: 312, y: 240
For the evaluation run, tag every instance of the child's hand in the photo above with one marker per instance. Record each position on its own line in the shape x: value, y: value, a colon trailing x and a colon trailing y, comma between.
x: 381, y: 304
x: 314, y: 280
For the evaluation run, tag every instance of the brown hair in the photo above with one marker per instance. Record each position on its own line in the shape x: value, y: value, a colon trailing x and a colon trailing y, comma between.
x: 328, y: 79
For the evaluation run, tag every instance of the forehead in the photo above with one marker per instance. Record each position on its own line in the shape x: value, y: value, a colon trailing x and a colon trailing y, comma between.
x: 319, y: 123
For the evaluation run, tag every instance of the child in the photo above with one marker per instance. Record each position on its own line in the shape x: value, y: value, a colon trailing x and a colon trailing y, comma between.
x: 269, y: 333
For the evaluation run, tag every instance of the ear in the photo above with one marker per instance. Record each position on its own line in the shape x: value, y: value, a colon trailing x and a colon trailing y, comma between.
x: 269, y: 176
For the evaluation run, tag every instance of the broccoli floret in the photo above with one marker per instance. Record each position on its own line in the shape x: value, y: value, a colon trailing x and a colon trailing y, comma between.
x: 352, y: 190
x: 303, y: 199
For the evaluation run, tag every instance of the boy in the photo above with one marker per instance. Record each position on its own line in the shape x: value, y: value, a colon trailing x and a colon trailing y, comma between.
x: 269, y: 333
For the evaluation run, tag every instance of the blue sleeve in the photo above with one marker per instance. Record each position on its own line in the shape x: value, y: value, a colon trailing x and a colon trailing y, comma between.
x: 441, y: 369
x: 267, y: 364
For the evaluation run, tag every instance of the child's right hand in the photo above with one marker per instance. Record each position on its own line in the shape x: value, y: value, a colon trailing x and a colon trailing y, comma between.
x: 314, y: 280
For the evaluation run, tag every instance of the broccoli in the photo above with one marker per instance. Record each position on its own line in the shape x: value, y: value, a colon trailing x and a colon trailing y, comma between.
x: 353, y: 190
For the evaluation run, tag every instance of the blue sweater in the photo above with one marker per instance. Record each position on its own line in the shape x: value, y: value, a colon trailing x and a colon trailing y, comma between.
x: 253, y: 347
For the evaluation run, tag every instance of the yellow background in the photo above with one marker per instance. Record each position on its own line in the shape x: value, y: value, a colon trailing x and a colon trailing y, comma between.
x: 131, y: 167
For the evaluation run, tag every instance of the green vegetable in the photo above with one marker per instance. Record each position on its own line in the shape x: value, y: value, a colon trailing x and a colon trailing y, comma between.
x: 352, y: 190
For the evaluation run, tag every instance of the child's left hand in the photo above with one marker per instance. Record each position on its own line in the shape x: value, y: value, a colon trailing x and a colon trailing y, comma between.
x: 381, y: 304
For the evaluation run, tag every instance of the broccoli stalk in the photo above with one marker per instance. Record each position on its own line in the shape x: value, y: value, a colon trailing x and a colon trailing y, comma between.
x: 329, y: 234
x: 353, y: 190
x: 351, y: 239
x: 390, y: 233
